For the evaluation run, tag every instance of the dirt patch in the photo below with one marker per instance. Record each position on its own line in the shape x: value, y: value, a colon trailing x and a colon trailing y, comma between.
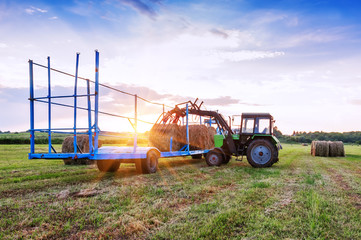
x: 355, y: 198
x: 82, y: 193
x: 338, y: 179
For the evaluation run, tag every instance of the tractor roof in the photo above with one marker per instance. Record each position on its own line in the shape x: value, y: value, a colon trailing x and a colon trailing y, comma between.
x: 252, y: 115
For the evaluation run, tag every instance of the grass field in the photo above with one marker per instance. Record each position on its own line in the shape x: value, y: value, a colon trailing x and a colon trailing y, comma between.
x: 301, y: 197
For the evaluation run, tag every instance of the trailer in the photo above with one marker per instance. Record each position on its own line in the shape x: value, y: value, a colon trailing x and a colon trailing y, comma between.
x: 108, y: 158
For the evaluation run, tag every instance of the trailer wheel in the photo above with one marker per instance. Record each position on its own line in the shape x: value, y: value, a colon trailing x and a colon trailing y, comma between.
x: 261, y: 153
x: 67, y: 161
x: 214, y: 158
x: 111, y: 165
x: 148, y: 165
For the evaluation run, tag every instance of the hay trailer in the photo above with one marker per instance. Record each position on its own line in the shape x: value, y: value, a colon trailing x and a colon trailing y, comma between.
x: 108, y: 158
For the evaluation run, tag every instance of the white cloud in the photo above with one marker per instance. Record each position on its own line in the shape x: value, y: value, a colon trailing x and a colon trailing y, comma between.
x: 313, y: 36
x: 33, y: 10
x: 244, y: 55
x: 29, y: 11
x: 3, y: 45
x: 53, y: 18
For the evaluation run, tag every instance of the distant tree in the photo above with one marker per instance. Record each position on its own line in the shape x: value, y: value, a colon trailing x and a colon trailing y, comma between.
x: 277, y: 132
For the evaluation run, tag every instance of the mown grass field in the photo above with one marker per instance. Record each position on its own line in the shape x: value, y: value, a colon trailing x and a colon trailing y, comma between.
x: 301, y: 197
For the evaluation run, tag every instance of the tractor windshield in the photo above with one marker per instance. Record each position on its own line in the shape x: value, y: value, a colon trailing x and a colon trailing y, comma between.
x: 247, y: 125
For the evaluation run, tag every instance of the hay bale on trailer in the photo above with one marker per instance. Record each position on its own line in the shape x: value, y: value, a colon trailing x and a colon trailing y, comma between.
x: 211, y: 131
x: 327, y: 149
x: 83, y: 145
x: 199, y: 137
x: 160, y: 135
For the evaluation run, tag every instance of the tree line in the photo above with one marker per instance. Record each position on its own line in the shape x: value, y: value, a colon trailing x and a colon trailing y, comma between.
x: 308, y: 137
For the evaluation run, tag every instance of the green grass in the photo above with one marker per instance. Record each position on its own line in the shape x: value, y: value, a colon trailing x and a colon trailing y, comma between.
x: 300, y: 197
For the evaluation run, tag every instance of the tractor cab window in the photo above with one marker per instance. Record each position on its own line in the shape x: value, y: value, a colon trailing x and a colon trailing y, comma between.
x: 247, y: 125
x: 262, y: 126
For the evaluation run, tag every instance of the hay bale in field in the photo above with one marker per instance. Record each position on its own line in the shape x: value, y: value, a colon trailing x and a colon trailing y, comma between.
x: 68, y: 144
x: 160, y: 135
x: 199, y: 137
x: 320, y: 148
x: 336, y: 149
x: 340, y: 149
x: 333, y: 149
x: 313, y: 148
x: 327, y: 149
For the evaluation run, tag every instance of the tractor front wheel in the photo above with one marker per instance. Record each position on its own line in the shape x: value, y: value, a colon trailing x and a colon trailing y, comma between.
x: 226, y: 159
x: 214, y: 158
x: 261, y: 153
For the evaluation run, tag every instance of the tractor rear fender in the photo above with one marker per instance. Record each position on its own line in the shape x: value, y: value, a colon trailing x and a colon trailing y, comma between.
x: 220, y: 150
x: 271, y: 138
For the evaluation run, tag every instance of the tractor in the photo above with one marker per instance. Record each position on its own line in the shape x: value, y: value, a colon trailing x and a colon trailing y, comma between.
x: 253, y: 139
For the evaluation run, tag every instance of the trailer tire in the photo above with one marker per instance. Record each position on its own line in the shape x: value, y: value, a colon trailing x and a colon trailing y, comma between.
x: 214, y: 158
x: 261, y: 153
x: 109, y: 165
x: 149, y: 164
x: 67, y: 161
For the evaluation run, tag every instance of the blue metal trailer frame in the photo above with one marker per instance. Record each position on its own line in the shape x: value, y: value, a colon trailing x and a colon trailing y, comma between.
x: 95, y: 153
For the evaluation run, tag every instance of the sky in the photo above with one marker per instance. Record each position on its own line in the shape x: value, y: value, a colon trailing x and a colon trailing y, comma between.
x: 298, y: 60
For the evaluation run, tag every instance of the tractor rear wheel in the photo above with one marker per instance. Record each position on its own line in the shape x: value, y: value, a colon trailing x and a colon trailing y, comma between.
x: 214, y: 158
x: 261, y: 153
x: 109, y: 165
x: 148, y: 165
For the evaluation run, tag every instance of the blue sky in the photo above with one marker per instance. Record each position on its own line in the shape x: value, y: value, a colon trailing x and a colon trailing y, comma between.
x: 299, y: 60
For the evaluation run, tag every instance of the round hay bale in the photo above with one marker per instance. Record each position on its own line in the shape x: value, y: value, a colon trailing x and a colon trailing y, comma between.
x: 199, y: 137
x: 82, y: 141
x: 160, y: 135
x: 212, y: 131
x: 337, y: 149
x: 324, y: 148
x: 83, y: 144
x: 320, y: 148
x: 313, y: 148
x: 333, y: 149
x: 340, y: 149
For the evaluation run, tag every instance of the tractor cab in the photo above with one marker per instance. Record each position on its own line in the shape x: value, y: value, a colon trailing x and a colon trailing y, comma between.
x: 256, y: 123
